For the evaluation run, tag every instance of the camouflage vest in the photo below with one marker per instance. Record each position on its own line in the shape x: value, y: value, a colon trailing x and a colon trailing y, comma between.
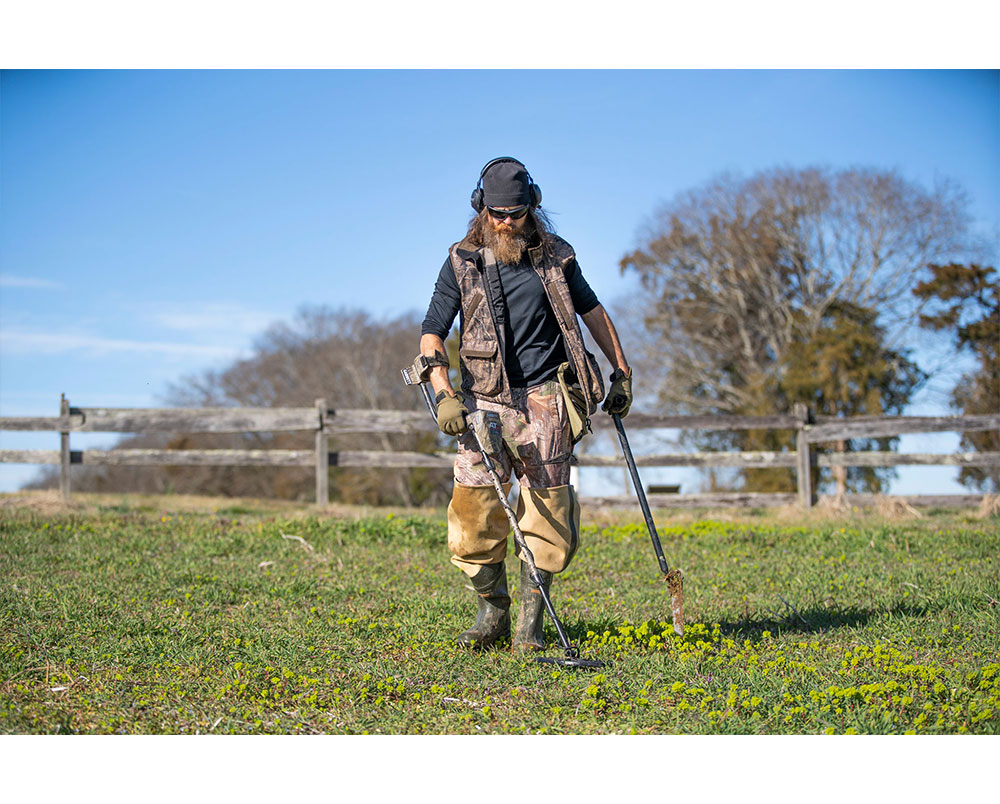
x: 482, y: 350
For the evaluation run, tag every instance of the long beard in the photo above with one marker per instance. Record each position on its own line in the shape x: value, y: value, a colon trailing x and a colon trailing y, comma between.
x: 507, y: 245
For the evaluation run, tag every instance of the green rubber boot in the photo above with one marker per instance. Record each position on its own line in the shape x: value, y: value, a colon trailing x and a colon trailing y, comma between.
x: 493, y: 615
x: 528, y: 636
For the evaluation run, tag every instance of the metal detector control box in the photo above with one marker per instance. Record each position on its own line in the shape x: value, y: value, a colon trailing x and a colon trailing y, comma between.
x: 488, y: 430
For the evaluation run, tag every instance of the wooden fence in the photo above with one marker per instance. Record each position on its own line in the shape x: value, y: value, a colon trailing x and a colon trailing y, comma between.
x: 327, y: 423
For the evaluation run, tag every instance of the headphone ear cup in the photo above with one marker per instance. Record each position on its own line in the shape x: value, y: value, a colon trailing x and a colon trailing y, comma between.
x: 477, y: 199
x: 536, y: 195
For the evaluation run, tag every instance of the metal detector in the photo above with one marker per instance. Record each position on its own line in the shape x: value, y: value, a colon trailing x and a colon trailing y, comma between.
x: 487, y: 430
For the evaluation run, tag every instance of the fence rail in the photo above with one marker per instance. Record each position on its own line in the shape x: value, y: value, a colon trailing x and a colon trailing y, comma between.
x: 327, y: 422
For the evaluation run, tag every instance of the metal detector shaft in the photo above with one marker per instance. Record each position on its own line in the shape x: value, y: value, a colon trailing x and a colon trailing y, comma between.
x: 672, y: 577
x: 428, y: 400
x: 525, y: 550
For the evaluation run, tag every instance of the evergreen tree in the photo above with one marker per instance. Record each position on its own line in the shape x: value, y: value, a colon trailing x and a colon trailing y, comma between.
x: 966, y: 299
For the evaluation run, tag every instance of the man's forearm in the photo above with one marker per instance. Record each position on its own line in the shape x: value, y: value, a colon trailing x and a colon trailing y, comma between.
x: 429, y: 344
x: 604, y: 332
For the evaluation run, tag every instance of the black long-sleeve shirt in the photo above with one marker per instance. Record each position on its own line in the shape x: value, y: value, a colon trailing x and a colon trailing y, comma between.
x: 535, y: 346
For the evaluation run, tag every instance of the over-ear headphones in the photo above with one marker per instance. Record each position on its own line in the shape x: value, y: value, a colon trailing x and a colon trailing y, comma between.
x: 477, y: 195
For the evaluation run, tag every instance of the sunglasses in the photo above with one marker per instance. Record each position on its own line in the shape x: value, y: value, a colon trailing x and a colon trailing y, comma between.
x: 515, y: 214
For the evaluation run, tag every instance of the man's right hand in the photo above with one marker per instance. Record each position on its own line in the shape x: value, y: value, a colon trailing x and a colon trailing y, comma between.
x: 451, y: 414
x: 619, y: 398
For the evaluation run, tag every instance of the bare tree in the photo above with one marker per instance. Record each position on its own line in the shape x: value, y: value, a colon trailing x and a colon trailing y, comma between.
x: 741, y: 274
x: 345, y: 356
x: 352, y: 360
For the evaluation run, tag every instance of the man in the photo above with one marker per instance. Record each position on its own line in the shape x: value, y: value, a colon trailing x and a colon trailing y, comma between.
x: 519, y: 290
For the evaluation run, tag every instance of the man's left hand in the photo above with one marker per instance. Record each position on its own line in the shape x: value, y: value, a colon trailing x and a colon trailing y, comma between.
x: 619, y: 398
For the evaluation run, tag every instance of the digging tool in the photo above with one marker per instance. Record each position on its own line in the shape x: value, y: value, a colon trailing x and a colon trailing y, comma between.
x: 672, y: 577
x: 487, y: 430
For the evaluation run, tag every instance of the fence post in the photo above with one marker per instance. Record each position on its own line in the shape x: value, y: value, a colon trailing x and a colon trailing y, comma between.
x: 64, y: 455
x: 322, y: 457
x: 803, y: 459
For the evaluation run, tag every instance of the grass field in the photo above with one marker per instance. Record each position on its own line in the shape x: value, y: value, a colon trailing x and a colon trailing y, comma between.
x: 166, y: 616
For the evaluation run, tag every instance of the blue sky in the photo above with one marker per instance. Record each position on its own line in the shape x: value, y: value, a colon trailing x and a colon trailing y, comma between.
x: 152, y: 223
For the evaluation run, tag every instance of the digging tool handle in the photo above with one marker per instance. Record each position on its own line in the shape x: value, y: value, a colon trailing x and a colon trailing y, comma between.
x: 657, y: 547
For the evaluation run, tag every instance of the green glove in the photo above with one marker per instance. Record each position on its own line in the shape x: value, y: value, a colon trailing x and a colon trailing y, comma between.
x: 451, y: 414
x: 619, y: 398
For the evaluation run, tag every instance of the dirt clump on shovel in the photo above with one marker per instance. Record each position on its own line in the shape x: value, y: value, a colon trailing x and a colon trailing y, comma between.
x: 675, y: 584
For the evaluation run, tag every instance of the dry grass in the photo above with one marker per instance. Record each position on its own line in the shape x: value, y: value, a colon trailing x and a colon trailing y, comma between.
x: 41, y: 502
x: 990, y: 506
x: 51, y: 503
x: 895, y: 508
x: 827, y: 511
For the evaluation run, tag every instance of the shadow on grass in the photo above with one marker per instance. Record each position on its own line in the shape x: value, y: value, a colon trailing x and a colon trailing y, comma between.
x: 818, y: 619
x: 813, y: 620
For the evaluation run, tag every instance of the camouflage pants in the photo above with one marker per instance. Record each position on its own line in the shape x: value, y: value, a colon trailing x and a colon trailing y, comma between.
x: 536, y: 438
x: 537, y: 450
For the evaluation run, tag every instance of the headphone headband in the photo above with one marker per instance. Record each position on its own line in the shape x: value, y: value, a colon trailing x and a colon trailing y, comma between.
x: 497, y: 161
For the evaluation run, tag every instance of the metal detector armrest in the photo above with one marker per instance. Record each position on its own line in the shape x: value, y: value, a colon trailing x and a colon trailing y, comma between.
x: 418, y: 373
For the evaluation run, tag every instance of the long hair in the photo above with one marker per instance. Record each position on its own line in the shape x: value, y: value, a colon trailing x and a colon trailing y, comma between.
x: 539, y: 225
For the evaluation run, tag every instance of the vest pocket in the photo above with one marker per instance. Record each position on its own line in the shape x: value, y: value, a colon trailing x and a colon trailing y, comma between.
x: 481, y: 366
